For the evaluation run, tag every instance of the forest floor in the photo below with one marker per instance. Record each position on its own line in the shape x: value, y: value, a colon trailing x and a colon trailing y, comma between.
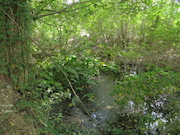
x: 12, y: 121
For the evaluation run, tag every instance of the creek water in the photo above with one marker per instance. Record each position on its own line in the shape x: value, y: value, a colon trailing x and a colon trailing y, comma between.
x: 103, y: 111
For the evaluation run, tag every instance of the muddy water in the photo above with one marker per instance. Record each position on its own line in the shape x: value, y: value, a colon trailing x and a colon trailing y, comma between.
x: 102, y: 112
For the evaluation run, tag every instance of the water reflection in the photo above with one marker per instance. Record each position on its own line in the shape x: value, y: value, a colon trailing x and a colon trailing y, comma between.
x: 106, y: 111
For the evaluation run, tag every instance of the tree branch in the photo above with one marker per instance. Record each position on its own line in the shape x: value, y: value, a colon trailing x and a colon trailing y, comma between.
x: 60, y: 11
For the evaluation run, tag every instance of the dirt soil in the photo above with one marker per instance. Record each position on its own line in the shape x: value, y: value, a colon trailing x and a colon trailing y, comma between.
x: 12, y: 121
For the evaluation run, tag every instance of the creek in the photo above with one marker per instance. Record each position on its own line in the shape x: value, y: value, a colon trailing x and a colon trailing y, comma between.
x: 104, y: 111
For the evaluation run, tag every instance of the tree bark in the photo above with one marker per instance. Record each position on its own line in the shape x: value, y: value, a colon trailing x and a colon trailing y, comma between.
x: 14, y: 49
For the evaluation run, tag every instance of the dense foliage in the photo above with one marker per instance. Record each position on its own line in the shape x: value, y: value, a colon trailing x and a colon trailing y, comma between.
x: 72, y: 43
x: 153, y: 96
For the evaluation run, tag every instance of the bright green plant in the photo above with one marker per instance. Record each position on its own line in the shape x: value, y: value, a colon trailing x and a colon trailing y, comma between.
x: 150, y: 92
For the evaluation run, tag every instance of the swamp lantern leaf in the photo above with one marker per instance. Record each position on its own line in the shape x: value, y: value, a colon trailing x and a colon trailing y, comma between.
x: 71, y: 105
x: 12, y: 124
x: 100, y: 45
x: 88, y: 51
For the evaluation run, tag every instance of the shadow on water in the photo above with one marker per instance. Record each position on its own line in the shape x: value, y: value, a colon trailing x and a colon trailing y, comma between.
x: 104, y: 112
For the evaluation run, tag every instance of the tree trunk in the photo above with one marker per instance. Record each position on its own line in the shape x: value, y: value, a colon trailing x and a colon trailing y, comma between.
x: 14, y: 49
